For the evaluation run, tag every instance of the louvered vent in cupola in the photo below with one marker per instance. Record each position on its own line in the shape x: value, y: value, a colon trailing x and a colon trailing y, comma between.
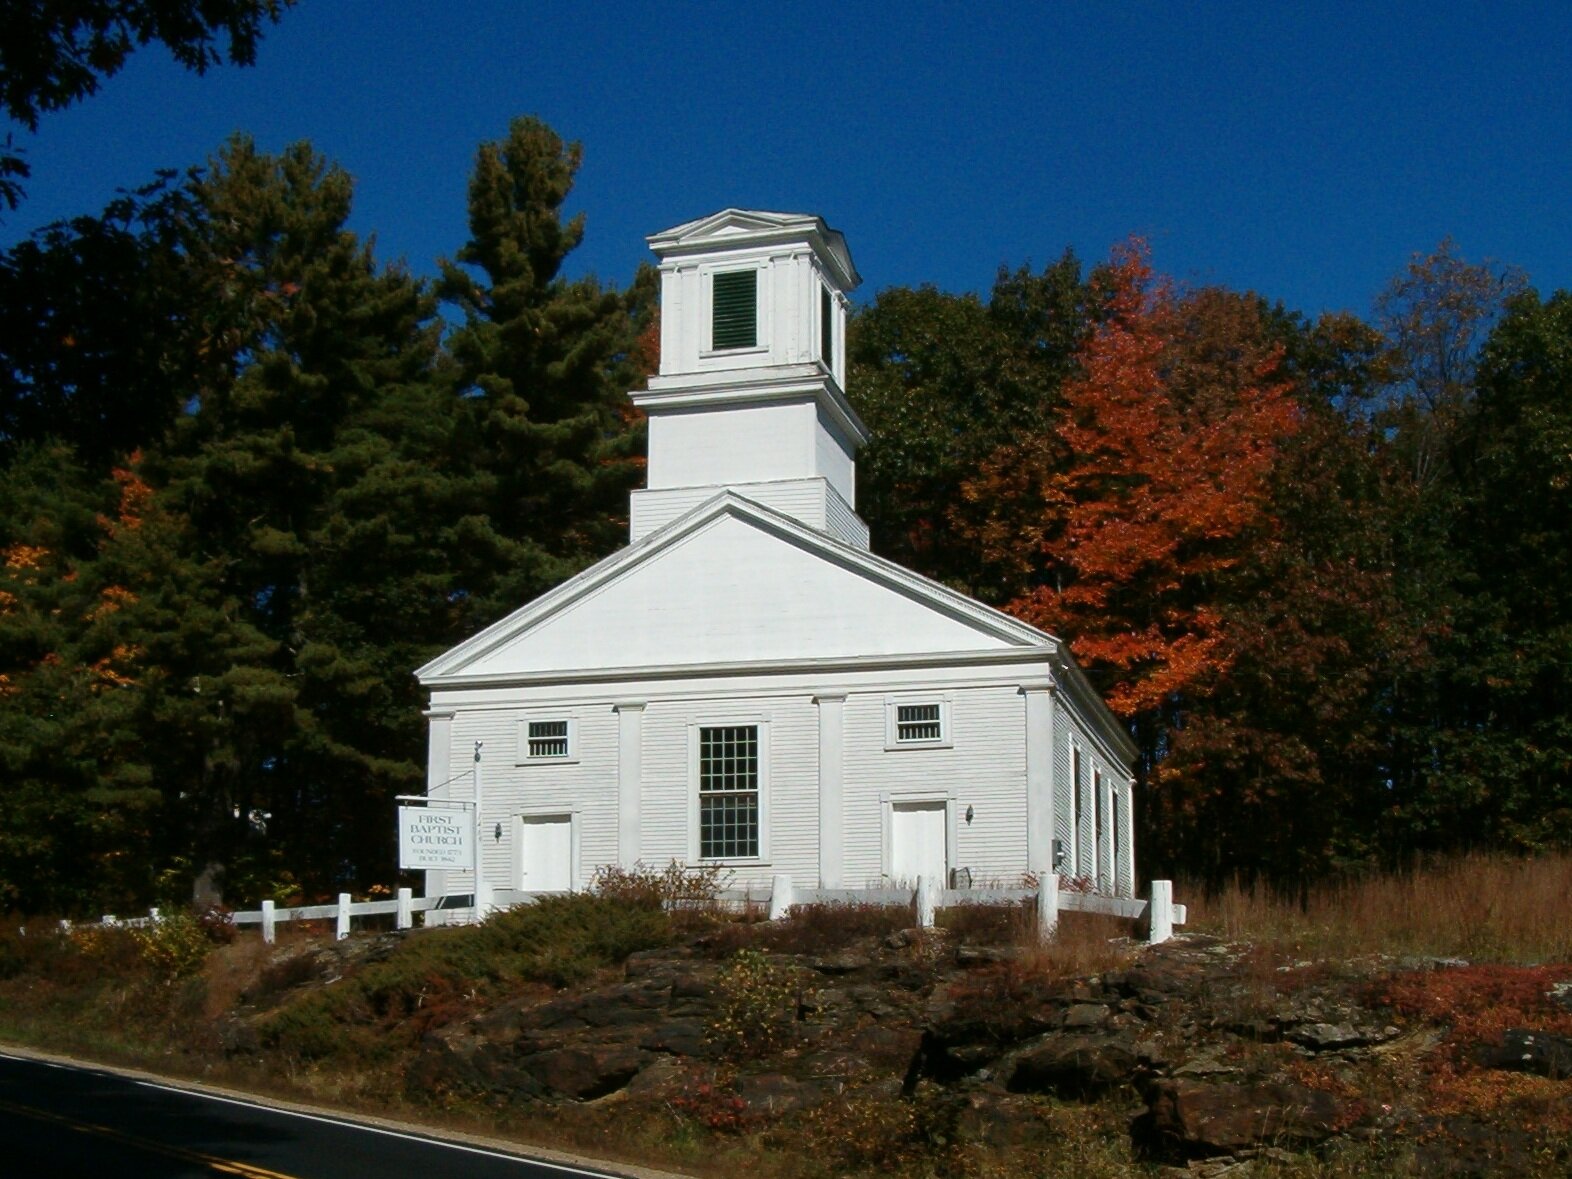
x: 735, y: 323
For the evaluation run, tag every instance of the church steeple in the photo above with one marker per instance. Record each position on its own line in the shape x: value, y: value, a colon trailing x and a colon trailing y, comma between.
x: 750, y: 395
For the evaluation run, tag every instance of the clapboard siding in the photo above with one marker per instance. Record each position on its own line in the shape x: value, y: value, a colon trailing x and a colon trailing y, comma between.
x: 588, y: 786
x: 984, y: 768
x: 792, y: 804
x: 841, y: 522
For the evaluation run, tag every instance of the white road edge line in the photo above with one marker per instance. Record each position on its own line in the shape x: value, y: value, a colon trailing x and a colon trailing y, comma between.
x: 353, y: 1125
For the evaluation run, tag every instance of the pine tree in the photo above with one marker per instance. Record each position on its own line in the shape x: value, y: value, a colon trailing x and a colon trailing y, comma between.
x: 291, y: 467
x: 544, y: 363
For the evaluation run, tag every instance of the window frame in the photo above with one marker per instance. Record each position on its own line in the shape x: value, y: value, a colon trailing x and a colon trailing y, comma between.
x: 761, y: 319
x: 892, y: 722
x: 525, y: 758
x: 761, y: 790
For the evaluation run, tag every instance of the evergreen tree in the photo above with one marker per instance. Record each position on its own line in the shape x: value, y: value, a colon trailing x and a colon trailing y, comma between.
x: 290, y: 467
x: 1503, y: 771
x: 543, y: 364
x: 97, y: 348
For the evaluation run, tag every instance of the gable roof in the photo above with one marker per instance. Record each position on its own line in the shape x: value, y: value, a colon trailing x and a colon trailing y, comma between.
x: 746, y: 227
x: 625, y: 605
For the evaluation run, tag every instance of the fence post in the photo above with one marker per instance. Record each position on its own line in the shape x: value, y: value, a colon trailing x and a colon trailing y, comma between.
x: 152, y: 914
x: 406, y: 915
x: 107, y: 919
x: 925, y: 902
x: 1047, y: 905
x: 1160, y: 912
x: 267, y: 922
x: 780, y: 897
x: 65, y: 926
x: 342, y: 929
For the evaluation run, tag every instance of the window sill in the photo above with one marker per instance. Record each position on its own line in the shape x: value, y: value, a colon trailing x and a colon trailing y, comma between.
x: 548, y: 761
x: 916, y: 745
x: 751, y: 350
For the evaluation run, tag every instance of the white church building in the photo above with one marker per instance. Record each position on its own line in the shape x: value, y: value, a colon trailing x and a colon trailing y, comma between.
x: 746, y: 684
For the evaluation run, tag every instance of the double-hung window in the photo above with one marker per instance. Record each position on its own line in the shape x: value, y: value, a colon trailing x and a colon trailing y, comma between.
x: 728, y: 792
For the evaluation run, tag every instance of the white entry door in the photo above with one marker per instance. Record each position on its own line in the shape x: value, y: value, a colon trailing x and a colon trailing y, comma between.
x: 546, y: 853
x: 917, y: 831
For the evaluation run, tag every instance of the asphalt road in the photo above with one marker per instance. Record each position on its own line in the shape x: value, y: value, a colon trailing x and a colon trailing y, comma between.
x: 62, y: 1121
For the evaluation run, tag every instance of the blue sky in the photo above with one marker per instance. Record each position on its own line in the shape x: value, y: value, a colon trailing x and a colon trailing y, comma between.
x: 1301, y: 150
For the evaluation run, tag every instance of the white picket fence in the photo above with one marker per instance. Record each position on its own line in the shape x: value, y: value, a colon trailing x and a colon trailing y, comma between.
x: 1159, y: 913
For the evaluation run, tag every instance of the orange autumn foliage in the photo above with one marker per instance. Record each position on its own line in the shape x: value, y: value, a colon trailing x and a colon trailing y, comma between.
x: 1153, y: 482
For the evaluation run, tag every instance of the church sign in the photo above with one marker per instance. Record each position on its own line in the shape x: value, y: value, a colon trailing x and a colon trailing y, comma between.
x: 435, y: 837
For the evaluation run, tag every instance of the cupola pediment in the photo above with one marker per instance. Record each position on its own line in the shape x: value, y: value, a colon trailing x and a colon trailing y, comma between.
x: 736, y: 227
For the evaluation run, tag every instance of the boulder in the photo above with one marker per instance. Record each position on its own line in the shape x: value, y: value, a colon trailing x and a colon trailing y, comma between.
x: 1075, y: 1066
x: 679, y: 1037
x: 1524, y: 1051
x: 1196, y: 1119
x: 585, y: 1073
x: 1332, y: 1037
x: 1085, y: 1016
x: 998, y: 1120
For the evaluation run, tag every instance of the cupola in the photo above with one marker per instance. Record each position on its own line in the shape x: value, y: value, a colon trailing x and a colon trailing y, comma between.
x: 750, y: 395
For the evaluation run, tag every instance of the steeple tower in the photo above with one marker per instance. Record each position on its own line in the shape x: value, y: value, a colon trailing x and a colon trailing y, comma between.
x: 750, y: 396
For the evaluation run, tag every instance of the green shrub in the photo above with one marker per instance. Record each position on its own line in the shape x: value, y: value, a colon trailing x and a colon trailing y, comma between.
x: 434, y: 976
x: 690, y: 894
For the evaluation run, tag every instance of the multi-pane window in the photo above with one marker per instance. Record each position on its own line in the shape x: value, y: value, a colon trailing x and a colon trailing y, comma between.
x: 734, y: 322
x: 548, y: 739
x: 918, y: 722
x: 728, y: 792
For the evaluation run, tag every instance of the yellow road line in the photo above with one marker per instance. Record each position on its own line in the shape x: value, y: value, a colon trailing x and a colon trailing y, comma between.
x: 216, y: 1162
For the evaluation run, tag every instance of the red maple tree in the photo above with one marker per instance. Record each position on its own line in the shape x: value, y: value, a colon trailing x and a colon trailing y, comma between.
x: 1156, y: 479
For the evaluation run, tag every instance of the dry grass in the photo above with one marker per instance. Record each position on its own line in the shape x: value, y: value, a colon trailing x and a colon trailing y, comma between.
x: 1485, y: 908
x: 1085, y: 944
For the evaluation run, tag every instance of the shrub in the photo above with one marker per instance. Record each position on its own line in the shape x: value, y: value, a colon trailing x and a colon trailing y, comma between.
x: 434, y: 976
x: 812, y: 929
x: 757, y: 1005
x: 562, y: 940
x: 174, y: 946
x: 217, y: 923
x: 864, y: 1132
x: 989, y: 925
x: 679, y: 888
x: 713, y: 1103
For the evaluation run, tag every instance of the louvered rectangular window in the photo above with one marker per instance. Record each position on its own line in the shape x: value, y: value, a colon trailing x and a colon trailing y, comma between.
x: 735, y: 323
x: 918, y: 722
x: 548, y: 739
x: 827, y: 327
x: 728, y: 792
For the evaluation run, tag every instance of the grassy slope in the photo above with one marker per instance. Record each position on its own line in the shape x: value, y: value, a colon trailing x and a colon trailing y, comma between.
x: 111, y: 996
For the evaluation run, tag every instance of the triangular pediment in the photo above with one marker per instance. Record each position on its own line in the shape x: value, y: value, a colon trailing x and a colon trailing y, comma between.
x: 736, y: 227
x: 735, y: 223
x: 732, y: 583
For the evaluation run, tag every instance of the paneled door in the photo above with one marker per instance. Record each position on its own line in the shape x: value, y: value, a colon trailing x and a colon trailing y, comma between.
x: 545, y: 853
x: 917, y: 842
